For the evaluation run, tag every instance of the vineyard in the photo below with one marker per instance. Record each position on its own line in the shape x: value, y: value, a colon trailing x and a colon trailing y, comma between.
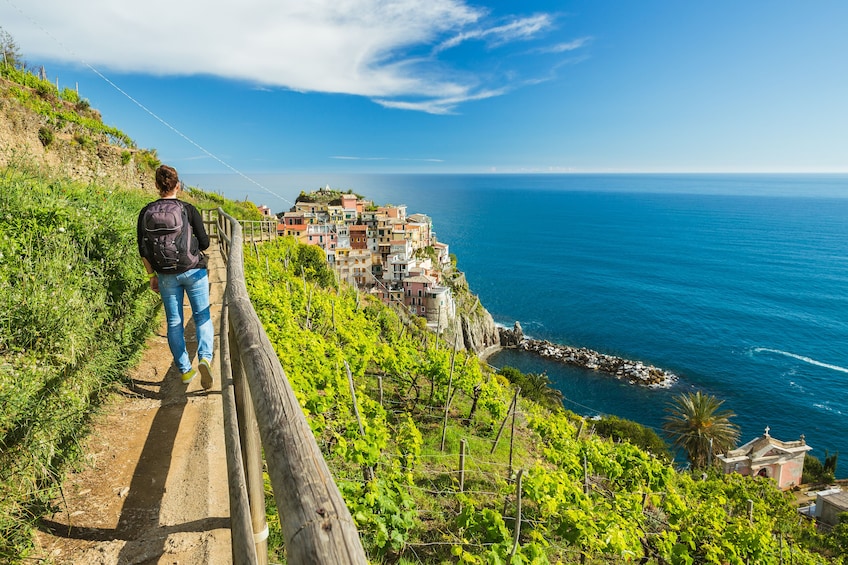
x: 440, y: 459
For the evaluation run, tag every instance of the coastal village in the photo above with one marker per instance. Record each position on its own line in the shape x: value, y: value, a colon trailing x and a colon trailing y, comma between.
x: 378, y: 249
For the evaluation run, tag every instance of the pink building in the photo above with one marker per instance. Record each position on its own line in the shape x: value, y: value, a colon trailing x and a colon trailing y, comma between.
x: 415, y: 290
x: 766, y: 456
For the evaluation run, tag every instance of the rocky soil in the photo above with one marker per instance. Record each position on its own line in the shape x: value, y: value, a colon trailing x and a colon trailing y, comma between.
x: 102, y: 162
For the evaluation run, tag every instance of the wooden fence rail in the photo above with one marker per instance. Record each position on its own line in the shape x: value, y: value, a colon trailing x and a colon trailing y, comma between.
x: 317, y: 526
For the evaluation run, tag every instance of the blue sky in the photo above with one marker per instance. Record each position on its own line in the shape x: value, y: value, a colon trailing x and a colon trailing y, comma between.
x: 445, y: 86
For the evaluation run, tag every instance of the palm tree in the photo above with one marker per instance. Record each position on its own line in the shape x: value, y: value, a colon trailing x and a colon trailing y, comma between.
x: 696, y: 425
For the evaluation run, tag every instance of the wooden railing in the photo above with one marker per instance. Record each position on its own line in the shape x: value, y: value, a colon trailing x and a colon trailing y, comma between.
x: 261, y: 413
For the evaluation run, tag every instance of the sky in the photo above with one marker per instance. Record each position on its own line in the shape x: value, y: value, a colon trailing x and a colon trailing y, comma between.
x: 450, y: 86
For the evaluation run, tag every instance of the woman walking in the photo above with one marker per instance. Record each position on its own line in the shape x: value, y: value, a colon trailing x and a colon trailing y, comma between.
x: 171, y: 241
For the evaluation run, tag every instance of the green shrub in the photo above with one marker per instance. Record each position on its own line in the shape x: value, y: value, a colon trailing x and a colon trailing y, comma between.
x: 45, y: 136
x: 535, y: 386
x: 69, y: 95
x: 126, y: 157
x: 45, y: 90
x: 147, y: 159
x: 637, y: 434
x: 84, y: 141
x: 815, y: 472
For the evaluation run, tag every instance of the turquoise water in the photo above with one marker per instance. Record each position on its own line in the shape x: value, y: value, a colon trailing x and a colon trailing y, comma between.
x: 737, y: 283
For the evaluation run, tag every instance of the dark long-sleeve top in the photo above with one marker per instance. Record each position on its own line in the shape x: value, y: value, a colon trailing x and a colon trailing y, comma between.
x: 197, y: 228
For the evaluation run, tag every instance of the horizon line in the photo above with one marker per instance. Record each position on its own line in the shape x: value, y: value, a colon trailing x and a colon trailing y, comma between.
x: 535, y: 172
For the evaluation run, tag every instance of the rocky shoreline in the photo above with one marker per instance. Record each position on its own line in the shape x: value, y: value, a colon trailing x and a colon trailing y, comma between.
x: 634, y: 372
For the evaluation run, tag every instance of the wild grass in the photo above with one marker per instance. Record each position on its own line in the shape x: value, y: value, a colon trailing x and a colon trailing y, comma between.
x: 74, y: 314
x: 75, y: 311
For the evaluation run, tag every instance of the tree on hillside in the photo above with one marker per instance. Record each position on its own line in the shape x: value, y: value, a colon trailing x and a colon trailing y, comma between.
x: 535, y: 386
x: 634, y: 432
x: 695, y: 424
x: 11, y: 54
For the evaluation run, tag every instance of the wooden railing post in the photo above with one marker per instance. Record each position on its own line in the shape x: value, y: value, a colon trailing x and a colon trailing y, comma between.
x: 241, y: 530
x: 317, y: 525
x: 251, y: 450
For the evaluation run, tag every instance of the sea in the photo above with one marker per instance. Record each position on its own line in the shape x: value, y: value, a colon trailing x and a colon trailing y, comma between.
x: 737, y: 283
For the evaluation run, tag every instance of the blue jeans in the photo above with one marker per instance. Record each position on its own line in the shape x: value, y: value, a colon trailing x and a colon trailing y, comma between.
x: 194, y: 283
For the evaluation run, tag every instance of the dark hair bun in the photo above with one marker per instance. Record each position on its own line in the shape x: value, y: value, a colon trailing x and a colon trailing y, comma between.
x: 166, y: 179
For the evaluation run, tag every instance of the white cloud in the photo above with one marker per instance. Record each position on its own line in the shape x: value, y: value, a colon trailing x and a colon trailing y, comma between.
x: 564, y: 47
x: 387, y: 51
x: 517, y: 30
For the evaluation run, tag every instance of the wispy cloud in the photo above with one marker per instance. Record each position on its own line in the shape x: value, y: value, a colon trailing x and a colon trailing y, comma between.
x: 564, y: 47
x: 386, y: 51
x: 517, y: 30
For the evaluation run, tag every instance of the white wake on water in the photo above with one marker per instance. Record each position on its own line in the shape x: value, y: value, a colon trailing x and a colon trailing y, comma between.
x: 802, y: 358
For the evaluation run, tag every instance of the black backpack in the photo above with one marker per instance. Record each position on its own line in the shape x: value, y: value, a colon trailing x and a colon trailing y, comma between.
x: 168, y: 238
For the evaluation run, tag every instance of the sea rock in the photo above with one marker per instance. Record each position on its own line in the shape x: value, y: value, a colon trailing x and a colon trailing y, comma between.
x: 634, y: 372
x: 513, y: 337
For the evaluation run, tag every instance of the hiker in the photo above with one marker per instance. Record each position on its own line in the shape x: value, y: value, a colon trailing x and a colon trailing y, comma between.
x: 171, y: 241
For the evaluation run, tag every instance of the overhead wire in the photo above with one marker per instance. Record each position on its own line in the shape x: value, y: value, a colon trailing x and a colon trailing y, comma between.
x: 150, y: 112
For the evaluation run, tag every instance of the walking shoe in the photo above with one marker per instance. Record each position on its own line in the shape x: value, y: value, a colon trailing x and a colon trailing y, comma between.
x: 188, y: 376
x: 205, y: 373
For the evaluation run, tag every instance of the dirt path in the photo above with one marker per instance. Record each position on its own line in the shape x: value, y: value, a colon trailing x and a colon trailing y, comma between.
x: 153, y: 485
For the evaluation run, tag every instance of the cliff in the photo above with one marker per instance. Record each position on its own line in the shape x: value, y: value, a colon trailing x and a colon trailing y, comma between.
x: 70, y: 151
x: 474, y: 327
x: 479, y: 333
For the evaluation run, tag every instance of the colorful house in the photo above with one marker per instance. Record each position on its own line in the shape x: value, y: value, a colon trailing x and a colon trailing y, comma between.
x: 766, y: 456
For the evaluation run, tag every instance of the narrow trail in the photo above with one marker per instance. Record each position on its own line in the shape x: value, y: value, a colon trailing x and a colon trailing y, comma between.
x: 152, y: 487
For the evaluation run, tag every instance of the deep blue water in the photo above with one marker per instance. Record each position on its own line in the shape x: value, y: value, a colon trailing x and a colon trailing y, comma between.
x: 737, y: 283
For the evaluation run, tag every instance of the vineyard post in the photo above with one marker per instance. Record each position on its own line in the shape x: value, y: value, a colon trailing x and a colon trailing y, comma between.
x: 448, y: 397
x: 380, y: 385
x: 511, y: 408
x: 367, y: 472
x: 462, y: 444
x: 579, y: 430
x: 512, y: 436
x: 438, y: 326
x: 517, y: 515
x: 585, y: 475
x: 750, y: 510
x: 309, y: 308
